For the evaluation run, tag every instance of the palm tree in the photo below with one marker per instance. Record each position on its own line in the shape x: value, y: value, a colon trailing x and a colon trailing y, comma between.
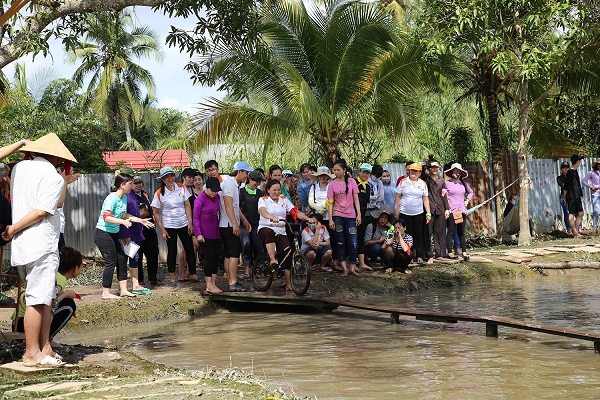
x: 330, y: 73
x: 107, y: 53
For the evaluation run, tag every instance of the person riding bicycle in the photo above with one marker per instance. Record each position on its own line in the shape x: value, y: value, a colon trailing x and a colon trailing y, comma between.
x: 273, y: 210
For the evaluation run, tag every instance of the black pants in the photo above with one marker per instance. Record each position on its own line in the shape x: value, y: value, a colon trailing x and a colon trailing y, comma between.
x: 401, y: 261
x: 460, y: 228
x: 188, y: 246
x: 437, y: 229
x: 114, y: 257
x: 332, y: 235
x: 415, y: 225
x: 212, y: 255
x: 148, y: 247
x: 60, y: 317
x: 365, y: 220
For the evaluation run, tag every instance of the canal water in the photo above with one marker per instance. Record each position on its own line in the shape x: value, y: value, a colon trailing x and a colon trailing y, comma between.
x: 349, y: 354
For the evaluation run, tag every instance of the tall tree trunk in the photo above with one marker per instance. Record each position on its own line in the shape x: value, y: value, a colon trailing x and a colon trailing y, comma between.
x: 496, y: 149
x: 128, y: 135
x: 524, y: 178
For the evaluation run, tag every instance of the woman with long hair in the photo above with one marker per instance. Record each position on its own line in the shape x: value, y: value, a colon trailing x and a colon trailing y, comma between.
x: 344, y: 212
x: 592, y: 181
x: 106, y: 235
x: 459, y: 194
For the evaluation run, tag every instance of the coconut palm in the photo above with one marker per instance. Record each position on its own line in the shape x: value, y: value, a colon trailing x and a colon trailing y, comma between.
x: 330, y: 72
x: 108, y: 51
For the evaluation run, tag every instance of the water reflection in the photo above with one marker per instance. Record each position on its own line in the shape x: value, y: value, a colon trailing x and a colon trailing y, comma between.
x: 350, y: 354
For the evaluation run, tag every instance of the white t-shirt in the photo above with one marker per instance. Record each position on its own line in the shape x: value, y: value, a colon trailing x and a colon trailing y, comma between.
x: 231, y: 189
x: 318, y: 197
x: 307, y: 235
x: 412, y: 196
x: 279, y: 209
x: 35, y: 185
x: 172, y: 206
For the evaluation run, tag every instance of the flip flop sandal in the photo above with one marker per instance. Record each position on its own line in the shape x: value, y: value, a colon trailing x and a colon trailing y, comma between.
x: 142, y: 291
x: 327, y: 270
x: 46, y: 362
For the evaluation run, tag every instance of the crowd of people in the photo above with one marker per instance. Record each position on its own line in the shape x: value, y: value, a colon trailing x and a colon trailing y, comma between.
x: 345, y: 222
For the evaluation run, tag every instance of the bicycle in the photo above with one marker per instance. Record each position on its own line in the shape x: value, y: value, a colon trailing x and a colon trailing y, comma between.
x: 263, y: 272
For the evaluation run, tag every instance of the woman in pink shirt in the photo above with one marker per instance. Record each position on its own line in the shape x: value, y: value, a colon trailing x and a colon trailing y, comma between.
x: 344, y: 210
x: 459, y: 194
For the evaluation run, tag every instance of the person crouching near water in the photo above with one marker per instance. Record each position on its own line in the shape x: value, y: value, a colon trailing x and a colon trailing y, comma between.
x: 316, y: 244
x: 70, y: 266
x: 401, y: 243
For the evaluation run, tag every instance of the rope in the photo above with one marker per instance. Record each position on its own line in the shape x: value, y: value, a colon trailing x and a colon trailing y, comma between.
x: 473, y: 209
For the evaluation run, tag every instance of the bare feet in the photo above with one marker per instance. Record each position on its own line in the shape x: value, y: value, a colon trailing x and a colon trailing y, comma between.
x: 365, y: 267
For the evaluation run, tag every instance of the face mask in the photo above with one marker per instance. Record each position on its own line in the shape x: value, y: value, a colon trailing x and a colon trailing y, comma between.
x: 456, y: 176
x: 386, y: 181
x: 312, y: 227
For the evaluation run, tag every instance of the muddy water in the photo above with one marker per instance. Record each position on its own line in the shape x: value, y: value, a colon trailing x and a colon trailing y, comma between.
x: 358, y: 355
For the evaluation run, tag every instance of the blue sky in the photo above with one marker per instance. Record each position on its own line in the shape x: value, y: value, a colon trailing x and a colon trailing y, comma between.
x: 173, y: 85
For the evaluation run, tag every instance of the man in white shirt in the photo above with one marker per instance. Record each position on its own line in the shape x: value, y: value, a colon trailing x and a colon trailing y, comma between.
x: 229, y: 222
x: 38, y: 190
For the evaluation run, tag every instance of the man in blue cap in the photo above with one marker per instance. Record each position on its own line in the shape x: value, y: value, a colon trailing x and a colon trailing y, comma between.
x: 229, y: 222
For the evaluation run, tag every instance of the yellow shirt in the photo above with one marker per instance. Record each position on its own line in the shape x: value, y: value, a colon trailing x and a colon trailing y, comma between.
x: 61, y: 283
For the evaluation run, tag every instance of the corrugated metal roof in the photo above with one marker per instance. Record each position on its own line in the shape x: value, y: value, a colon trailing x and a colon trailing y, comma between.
x: 147, y: 159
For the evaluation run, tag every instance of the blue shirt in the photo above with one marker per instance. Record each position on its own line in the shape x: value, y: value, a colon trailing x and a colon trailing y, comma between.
x: 116, y: 205
x: 389, y: 196
x: 303, y: 190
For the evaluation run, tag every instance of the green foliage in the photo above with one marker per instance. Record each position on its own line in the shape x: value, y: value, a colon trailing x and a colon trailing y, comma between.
x: 108, y: 53
x: 328, y: 74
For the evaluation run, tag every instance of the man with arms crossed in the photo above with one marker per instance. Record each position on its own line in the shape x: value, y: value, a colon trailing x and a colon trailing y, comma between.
x: 38, y: 190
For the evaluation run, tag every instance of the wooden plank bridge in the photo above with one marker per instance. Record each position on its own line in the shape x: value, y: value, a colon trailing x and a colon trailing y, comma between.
x: 258, y: 301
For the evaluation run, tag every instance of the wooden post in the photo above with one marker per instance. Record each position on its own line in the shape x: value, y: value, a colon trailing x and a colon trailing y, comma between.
x: 491, y: 330
x: 394, y: 318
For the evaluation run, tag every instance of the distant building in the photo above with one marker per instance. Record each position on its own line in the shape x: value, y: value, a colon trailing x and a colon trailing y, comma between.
x: 147, y: 160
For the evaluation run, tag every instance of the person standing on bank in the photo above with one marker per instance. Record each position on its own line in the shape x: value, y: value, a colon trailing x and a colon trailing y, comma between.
x: 229, y: 222
x: 440, y: 211
x: 459, y: 194
x: 149, y: 246
x: 188, y: 176
x: 573, y: 194
x: 560, y: 180
x: 37, y: 191
x: 592, y: 181
x: 173, y: 215
x: 343, y: 208
x: 135, y: 234
x: 206, y: 230
x: 250, y: 194
x: 107, y: 236
x: 412, y: 205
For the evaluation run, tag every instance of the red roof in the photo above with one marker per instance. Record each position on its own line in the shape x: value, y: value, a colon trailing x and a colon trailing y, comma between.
x: 147, y: 159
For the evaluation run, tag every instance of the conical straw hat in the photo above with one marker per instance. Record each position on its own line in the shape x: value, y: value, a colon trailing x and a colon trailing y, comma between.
x: 49, y: 144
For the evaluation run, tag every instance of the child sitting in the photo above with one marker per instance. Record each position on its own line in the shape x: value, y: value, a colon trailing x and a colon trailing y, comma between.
x: 401, y: 243
x: 71, y: 265
x: 316, y: 244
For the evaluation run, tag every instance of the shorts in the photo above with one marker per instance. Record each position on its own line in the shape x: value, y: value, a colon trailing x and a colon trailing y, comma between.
x: 40, y: 279
x: 575, y: 206
x: 320, y: 252
x: 232, y: 246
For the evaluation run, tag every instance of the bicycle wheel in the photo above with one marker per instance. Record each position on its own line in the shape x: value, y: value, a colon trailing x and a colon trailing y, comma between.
x: 262, y: 276
x: 300, y: 274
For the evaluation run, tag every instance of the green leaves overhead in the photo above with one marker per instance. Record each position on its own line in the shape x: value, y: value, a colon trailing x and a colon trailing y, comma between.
x: 327, y: 71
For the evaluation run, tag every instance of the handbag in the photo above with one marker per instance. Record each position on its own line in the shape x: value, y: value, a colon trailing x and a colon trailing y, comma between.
x: 458, y: 217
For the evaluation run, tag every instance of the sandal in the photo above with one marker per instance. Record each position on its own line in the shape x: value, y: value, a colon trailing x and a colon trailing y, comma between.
x: 4, y: 299
x: 46, y: 362
x: 142, y: 291
x: 327, y: 269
